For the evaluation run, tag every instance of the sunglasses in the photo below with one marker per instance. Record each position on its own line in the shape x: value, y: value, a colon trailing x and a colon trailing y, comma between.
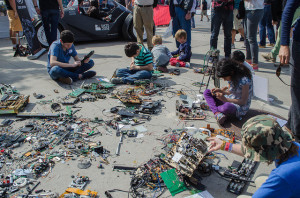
x: 278, y: 72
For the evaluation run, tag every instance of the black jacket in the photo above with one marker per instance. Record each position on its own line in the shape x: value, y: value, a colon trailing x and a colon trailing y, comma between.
x: 184, y: 4
x: 277, y: 7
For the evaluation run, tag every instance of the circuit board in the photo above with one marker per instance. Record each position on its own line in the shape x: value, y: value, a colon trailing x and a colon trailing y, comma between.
x: 187, y: 154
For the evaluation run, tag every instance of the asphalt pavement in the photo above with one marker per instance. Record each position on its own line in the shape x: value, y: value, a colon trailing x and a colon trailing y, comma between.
x: 31, y: 77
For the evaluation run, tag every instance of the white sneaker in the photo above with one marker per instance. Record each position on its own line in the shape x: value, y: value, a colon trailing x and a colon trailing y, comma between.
x: 232, y: 46
x: 187, y: 64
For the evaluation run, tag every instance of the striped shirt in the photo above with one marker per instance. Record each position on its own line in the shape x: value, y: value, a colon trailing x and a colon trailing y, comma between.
x: 144, y: 58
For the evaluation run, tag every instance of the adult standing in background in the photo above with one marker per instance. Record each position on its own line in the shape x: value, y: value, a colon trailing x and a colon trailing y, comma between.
x: 180, y: 11
x: 204, y: 10
x: 284, y: 54
x: 237, y: 23
x: 266, y: 23
x: 254, y: 13
x: 50, y: 10
x: 14, y: 22
x: 143, y: 18
x: 222, y: 13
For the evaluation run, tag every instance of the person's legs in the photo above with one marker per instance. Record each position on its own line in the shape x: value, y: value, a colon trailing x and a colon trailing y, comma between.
x: 46, y: 24
x: 193, y: 22
x: 227, y: 21
x: 184, y: 24
x: 176, y: 27
x: 262, y: 28
x: 53, y: 17
x: 124, y: 72
x: 295, y: 90
x: 147, y: 17
x: 57, y: 72
x: 216, y: 20
x: 138, y: 23
x: 85, y: 67
x: 136, y: 75
x: 253, y: 18
x: 270, y: 28
x: 246, y: 41
x: 227, y: 109
x: 212, y: 101
x: 233, y: 33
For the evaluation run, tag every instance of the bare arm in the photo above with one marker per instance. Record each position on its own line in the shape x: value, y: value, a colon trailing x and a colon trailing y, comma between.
x: 216, y: 144
x: 36, y: 7
x: 61, y: 8
x: 243, y: 100
x: 54, y: 62
x: 13, y: 6
x: 148, y: 67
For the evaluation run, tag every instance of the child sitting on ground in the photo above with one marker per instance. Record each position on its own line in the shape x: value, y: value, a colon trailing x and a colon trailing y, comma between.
x: 182, y: 56
x: 235, y: 99
x: 161, y: 54
x: 140, y: 67
x: 239, y: 56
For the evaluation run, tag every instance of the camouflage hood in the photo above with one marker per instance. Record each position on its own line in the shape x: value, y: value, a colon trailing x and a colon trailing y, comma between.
x: 263, y: 139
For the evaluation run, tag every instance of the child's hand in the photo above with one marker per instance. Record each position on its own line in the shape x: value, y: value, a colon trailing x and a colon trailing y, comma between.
x: 221, y: 96
x: 215, y: 90
x: 177, y: 58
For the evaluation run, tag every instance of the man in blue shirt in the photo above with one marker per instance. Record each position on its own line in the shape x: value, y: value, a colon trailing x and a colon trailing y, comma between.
x: 284, y: 55
x: 59, y: 56
x: 263, y: 140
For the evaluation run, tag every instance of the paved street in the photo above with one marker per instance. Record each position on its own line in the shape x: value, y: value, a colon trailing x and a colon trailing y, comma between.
x: 31, y: 76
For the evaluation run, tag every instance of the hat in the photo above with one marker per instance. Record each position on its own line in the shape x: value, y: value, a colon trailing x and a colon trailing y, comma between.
x: 263, y: 139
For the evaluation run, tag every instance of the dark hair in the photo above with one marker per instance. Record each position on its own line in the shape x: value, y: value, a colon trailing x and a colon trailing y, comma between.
x: 130, y: 49
x: 228, y: 67
x: 293, y: 151
x: 67, y: 36
x: 238, y: 56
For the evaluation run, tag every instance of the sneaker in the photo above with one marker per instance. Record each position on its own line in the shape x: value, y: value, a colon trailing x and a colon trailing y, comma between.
x: 210, y: 59
x: 67, y: 80
x: 232, y: 46
x: 220, y: 117
x: 117, y: 81
x: 269, y: 57
x: 114, y: 74
x: 88, y: 74
x: 242, y: 38
x: 201, y: 20
x: 255, y: 68
x: 271, y: 45
x: 177, y: 64
x: 208, y: 20
x: 187, y: 64
x: 261, y: 46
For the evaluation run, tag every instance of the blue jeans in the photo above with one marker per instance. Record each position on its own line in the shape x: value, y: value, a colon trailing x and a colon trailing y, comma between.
x: 129, y: 76
x: 252, y: 19
x: 179, y: 22
x: 193, y: 22
x: 59, y: 72
x: 266, y: 22
x: 50, y: 21
x: 294, y: 113
x: 219, y: 17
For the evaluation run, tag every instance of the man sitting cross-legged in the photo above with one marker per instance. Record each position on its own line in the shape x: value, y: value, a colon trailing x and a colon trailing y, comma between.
x: 59, y: 56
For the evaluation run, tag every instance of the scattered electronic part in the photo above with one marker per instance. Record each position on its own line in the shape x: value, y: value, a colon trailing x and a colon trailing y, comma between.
x: 79, y: 182
x: 150, y: 107
x: 187, y: 154
x: 241, y: 173
x: 187, y: 110
x: 11, y: 101
x: 129, y: 97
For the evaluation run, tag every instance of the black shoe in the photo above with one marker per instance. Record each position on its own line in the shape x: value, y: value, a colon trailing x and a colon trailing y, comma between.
x: 88, y: 74
x: 67, y: 80
x: 116, y: 81
x: 242, y: 38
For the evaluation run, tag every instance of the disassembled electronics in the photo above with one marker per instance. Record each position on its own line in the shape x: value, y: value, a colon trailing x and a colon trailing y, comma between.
x: 240, y: 172
x: 79, y: 182
x: 187, y: 110
x: 187, y: 154
x: 11, y: 101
